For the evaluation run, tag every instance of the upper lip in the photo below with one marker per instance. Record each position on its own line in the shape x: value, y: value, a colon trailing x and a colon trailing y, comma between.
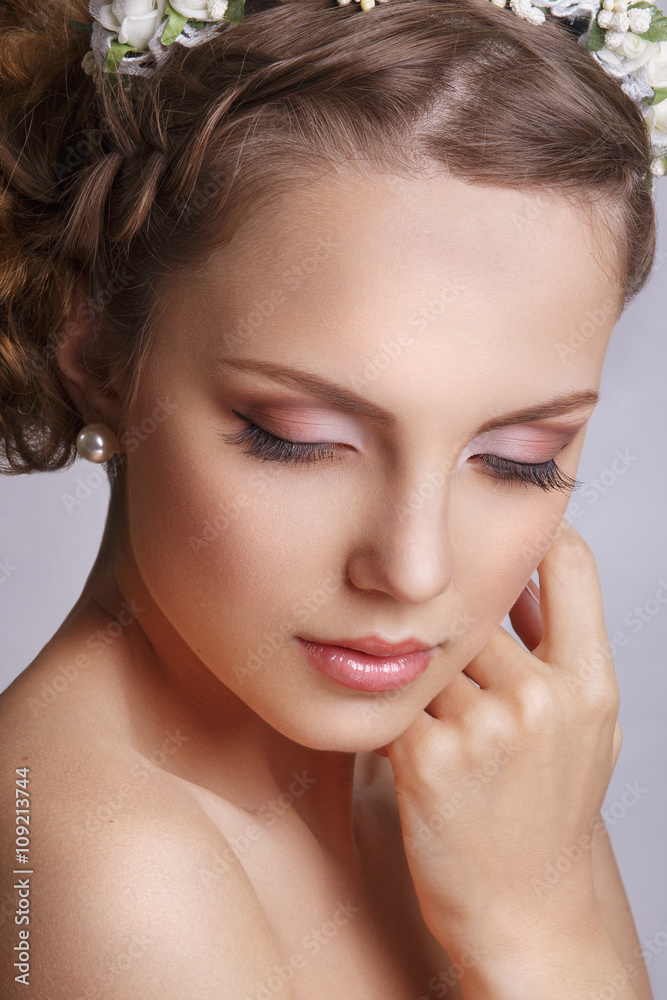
x: 379, y: 647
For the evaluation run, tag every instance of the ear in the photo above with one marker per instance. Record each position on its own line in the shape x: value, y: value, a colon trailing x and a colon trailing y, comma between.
x: 88, y: 381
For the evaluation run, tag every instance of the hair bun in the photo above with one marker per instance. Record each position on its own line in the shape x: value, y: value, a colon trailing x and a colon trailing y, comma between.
x: 40, y: 59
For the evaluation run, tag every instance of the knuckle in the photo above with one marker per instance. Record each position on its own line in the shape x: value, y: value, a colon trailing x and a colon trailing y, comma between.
x: 534, y: 698
x: 494, y: 721
x: 603, y: 700
x: 595, y: 664
x: 428, y: 750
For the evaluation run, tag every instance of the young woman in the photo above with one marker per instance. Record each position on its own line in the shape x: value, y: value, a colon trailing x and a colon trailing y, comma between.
x: 303, y: 288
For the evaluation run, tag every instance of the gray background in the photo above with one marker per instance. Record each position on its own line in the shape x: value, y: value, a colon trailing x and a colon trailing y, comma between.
x: 46, y: 552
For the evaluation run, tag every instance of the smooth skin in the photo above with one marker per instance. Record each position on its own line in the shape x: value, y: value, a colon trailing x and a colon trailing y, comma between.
x: 441, y: 305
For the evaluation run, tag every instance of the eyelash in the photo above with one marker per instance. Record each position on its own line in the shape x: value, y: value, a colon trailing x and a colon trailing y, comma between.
x: 260, y: 443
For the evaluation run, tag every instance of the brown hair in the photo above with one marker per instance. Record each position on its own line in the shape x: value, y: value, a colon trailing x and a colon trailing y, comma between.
x: 124, y: 188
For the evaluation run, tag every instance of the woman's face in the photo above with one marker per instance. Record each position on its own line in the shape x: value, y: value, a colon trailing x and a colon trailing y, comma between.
x: 430, y: 308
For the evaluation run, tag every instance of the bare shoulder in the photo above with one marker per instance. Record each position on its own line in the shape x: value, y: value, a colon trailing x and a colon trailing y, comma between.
x: 129, y: 913
x: 115, y: 898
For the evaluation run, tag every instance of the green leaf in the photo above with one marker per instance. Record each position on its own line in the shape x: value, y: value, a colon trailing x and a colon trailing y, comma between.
x: 176, y: 21
x: 235, y: 11
x: 595, y: 37
x: 657, y: 31
x: 643, y: 3
x: 116, y: 52
x: 174, y: 25
x: 660, y: 95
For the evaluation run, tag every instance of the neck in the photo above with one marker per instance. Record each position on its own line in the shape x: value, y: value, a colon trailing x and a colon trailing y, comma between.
x: 226, y: 748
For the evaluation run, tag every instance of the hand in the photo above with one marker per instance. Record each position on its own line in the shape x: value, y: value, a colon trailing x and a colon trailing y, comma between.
x: 499, y: 786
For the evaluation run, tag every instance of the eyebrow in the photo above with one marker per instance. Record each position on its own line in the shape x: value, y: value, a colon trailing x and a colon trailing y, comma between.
x: 316, y: 385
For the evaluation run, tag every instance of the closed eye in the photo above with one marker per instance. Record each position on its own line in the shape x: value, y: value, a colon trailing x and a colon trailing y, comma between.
x: 255, y: 440
x: 546, y: 475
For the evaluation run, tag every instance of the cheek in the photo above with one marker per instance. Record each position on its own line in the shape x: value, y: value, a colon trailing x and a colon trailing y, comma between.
x: 496, y: 545
x: 231, y: 549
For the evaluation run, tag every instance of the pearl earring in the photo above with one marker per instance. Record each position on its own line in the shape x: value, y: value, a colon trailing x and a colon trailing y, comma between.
x: 96, y: 443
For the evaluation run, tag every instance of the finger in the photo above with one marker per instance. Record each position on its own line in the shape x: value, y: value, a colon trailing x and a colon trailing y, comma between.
x: 500, y: 663
x: 526, y: 617
x: 574, y: 630
x: 454, y: 699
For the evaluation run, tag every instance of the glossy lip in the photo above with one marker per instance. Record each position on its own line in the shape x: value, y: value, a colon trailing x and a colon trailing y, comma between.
x: 377, y: 646
x: 363, y: 671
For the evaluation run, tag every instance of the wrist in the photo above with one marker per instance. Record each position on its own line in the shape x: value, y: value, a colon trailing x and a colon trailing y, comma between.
x: 580, y: 963
x: 508, y: 927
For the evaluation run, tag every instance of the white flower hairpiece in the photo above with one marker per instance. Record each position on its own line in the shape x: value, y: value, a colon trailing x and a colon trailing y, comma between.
x: 134, y: 36
x: 628, y: 39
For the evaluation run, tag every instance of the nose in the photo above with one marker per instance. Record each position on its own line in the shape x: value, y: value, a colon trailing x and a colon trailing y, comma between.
x: 405, y: 548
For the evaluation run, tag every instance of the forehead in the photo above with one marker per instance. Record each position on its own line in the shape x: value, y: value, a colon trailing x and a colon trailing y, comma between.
x: 353, y: 257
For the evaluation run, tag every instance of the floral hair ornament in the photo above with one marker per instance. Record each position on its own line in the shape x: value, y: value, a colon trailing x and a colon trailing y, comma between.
x: 134, y: 36
x: 628, y: 39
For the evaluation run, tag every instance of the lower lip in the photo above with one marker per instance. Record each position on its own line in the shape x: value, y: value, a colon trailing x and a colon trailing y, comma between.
x: 365, y: 672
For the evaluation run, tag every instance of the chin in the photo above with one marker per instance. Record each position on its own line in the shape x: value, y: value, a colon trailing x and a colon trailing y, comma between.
x: 354, y: 728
